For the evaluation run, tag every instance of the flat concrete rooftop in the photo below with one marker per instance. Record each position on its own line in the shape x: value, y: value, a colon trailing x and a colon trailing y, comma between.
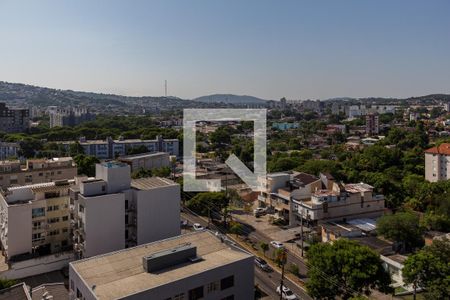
x: 118, y: 274
x: 149, y: 183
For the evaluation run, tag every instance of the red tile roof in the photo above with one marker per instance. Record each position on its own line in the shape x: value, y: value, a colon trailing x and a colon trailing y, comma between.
x: 441, y: 149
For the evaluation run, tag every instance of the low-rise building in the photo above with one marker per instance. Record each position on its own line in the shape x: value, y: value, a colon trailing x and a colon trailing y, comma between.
x: 13, y: 173
x: 193, y: 266
x: 300, y: 196
x: 437, y: 163
x: 112, y: 212
x: 110, y: 148
x: 146, y: 161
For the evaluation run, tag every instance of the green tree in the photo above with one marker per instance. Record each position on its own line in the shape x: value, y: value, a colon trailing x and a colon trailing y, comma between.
x: 429, y: 269
x: 141, y: 173
x: 162, y: 172
x: 86, y: 164
x: 236, y: 229
x: 203, y: 203
x: 344, y: 269
x: 6, y: 283
x: 403, y: 228
x: 264, y: 247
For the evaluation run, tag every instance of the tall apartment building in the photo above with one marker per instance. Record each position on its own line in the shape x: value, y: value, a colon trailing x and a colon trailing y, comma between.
x: 437, y: 163
x: 69, y: 116
x: 112, y: 212
x: 12, y: 173
x: 372, y: 124
x: 8, y: 150
x: 13, y: 120
x: 192, y: 266
x: 35, y: 223
x: 110, y: 148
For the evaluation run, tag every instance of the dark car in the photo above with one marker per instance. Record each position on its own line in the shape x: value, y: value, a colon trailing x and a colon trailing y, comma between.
x: 262, y: 264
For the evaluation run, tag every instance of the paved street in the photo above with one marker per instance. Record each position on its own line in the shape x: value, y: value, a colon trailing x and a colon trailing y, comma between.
x: 267, y: 282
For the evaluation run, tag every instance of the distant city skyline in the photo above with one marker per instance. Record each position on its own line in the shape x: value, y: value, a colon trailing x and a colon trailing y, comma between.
x: 267, y: 49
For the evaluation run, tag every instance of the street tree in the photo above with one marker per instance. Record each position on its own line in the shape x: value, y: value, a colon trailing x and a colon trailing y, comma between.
x: 344, y: 269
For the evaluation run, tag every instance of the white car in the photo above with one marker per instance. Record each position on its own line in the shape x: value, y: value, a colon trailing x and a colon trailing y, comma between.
x: 259, y: 211
x: 277, y: 245
x: 198, y: 227
x: 287, y: 293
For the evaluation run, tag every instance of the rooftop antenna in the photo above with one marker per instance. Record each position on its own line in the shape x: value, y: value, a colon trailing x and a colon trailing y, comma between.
x: 165, y: 87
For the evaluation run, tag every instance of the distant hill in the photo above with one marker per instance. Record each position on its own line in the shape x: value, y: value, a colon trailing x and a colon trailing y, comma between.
x: 30, y: 95
x: 230, y: 99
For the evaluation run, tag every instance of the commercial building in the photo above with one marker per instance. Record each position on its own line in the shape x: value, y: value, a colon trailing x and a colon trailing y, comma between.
x: 35, y: 223
x: 72, y: 116
x: 13, y: 120
x: 13, y: 173
x: 113, y: 212
x: 110, y: 148
x: 146, y: 161
x: 372, y: 124
x: 8, y: 150
x: 193, y: 266
x: 437, y: 163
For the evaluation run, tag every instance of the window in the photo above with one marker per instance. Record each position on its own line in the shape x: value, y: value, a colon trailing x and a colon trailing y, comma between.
x: 179, y: 296
x: 213, y: 286
x: 81, y: 208
x: 103, y: 188
x: 49, y: 208
x: 55, y: 207
x: 38, y: 212
x: 126, y: 204
x: 53, y: 220
x: 227, y: 283
x: 196, y: 293
x: 65, y: 218
x: 41, y: 174
x: 54, y: 232
x: 37, y: 225
x: 79, y: 294
x: 36, y: 237
x: 65, y: 230
x: 325, y: 207
x: 126, y: 219
x: 59, y: 172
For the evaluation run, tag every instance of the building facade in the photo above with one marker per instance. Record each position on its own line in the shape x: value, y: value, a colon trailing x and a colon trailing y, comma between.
x: 110, y: 148
x: 437, y: 163
x: 13, y: 120
x: 197, y: 265
x: 13, y: 173
x: 8, y: 150
x: 113, y: 212
x: 69, y: 116
x: 35, y: 220
x: 372, y: 124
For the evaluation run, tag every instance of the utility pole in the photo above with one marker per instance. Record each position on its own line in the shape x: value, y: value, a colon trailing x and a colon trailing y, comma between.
x: 283, y: 258
x: 301, y: 226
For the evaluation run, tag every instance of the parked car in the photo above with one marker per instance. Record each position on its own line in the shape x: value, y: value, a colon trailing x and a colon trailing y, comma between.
x: 287, y: 293
x: 197, y: 227
x: 262, y: 264
x: 260, y: 211
x: 277, y: 245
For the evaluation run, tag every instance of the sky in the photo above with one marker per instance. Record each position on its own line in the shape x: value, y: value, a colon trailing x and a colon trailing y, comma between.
x: 270, y: 49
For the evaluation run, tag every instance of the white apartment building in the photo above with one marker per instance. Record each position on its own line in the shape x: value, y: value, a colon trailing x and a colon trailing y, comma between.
x: 112, y: 212
x: 437, y: 163
x: 8, y: 150
x: 13, y: 173
x: 110, y: 149
x: 35, y: 224
x: 192, y: 266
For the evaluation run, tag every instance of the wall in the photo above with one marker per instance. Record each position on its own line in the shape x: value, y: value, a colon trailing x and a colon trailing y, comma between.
x: 104, y: 223
x: 158, y: 213
x: 40, y: 265
x: 19, y: 229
